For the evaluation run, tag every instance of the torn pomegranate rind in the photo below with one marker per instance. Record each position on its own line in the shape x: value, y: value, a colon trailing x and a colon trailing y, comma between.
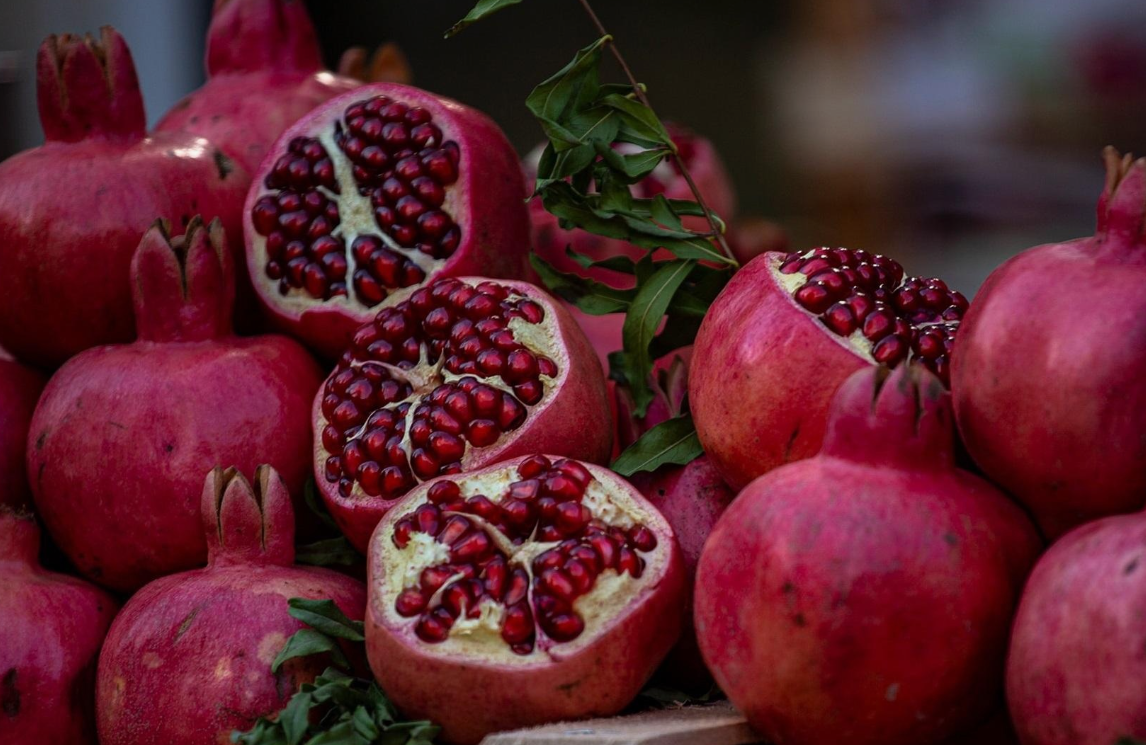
x: 518, y: 561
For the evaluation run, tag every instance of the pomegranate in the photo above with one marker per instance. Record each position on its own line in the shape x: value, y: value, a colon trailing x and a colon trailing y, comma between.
x: 462, y: 373
x: 264, y: 70
x: 51, y: 627
x: 1049, y: 392
x: 1076, y: 666
x: 531, y: 591
x: 71, y: 254
x: 865, y: 595
x: 787, y: 330
x: 123, y: 433
x: 19, y: 390
x: 370, y: 196
x: 188, y: 660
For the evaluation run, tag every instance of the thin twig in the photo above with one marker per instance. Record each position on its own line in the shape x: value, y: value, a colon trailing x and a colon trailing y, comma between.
x: 643, y: 98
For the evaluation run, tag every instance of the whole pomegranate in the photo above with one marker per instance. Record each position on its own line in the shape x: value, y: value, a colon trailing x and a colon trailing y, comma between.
x: 372, y: 195
x: 535, y: 590
x: 19, y: 390
x: 72, y: 211
x: 865, y: 595
x: 1076, y: 666
x: 264, y: 70
x: 1049, y: 392
x: 783, y: 335
x: 122, y: 431
x: 463, y: 373
x: 188, y: 660
x: 51, y: 628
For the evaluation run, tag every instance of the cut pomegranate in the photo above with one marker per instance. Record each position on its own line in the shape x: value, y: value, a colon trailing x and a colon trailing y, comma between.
x: 372, y: 194
x: 463, y: 373
x: 787, y: 330
x: 535, y: 590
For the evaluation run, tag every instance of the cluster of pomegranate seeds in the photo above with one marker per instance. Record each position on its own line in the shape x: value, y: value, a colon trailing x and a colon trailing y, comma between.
x: 853, y: 290
x: 398, y: 161
x: 544, y: 506
x: 426, y: 377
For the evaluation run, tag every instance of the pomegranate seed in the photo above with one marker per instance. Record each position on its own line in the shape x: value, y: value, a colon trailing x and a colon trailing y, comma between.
x: 433, y: 628
x: 643, y: 539
x: 840, y: 319
x: 563, y: 627
x: 580, y: 575
x: 410, y: 603
x: 428, y: 518
x: 572, y: 517
x: 517, y: 513
x: 606, y: 549
x: 370, y: 478
x: 443, y: 491
x: 473, y: 547
x: 518, y: 624
x: 455, y: 528
x: 482, y: 432
x: 402, y: 530
x: 433, y: 578
x: 628, y: 561
x: 889, y: 351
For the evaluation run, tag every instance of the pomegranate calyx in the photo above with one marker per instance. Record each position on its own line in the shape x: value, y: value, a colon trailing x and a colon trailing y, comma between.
x: 1122, y: 209
x: 247, y: 523
x: 87, y: 88
x: 19, y: 537
x: 262, y: 36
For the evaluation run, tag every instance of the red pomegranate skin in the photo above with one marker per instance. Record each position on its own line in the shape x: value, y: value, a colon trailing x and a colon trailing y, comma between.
x: 264, y: 72
x: 1047, y: 373
x: 865, y: 595
x: 188, y: 659
x: 20, y: 388
x: 123, y: 433
x: 51, y: 628
x: 72, y: 253
x: 1077, y: 659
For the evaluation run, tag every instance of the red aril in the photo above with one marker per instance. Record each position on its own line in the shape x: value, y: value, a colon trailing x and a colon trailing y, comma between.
x: 123, y: 434
x: 72, y: 211
x: 463, y: 373
x: 865, y: 595
x: 536, y: 590
x: 188, y: 659
x: 264, y: 70
x: 372, y: 195
x: 787, y: 330
x: 1048, y: 378
x: 19, y: 390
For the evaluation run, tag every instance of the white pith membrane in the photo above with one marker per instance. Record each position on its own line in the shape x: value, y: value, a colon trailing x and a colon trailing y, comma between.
x: 453, y: 603
x: 319, y: 236
x: 433, y: 377
x: 868, y: 306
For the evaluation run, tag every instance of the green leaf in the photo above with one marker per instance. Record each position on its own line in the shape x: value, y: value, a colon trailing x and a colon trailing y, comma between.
x: 573, y: 88
x: 325, y: 616
x: 641, y: 322
x: 639, y: 120
x: 295, y: 718
x: 327, y: 553
x: 306, y: 642
x: 483, y: 9
x: 670, y: 442
x: 588, y: 295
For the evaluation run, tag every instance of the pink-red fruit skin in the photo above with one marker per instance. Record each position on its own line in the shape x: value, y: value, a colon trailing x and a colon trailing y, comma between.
x: 1047, y: 374
x: 123, y: 433
x: 188, y: 659
x: 72, y: 211
x: 20, y: 388
x: 264, y: 70
x: 51, y: 628
x: 1078, y: 650
x: 865, y: 595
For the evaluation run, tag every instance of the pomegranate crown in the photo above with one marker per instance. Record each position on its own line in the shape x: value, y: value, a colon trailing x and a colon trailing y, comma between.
x: 19, y: 536
x: 247, y: 523
x: 87, y: 88
x: 184, y: 288
x: 262, y: 36
x: 1122, y: 206
x: 901, y: 416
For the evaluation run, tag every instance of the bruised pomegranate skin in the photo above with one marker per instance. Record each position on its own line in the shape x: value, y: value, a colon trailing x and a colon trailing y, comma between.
x: 20, y: 388
x: 123, y: 433
x: 492, y: 370
x: 1076, y: 665
x: 1049, y: 392
x: 783, y: 335
x: 532, y: 591
x: 376, y: 193
x: 51, y: 628
x: 865, y: 595
x: 72, y: 210
x: 264, y: 72
x: 188, y: 660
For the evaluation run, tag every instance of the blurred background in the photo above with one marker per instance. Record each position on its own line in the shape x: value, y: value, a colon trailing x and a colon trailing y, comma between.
x: 947, y: 133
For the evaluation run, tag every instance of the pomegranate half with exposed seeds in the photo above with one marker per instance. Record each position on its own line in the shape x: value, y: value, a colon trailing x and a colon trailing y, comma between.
x: 787, y: 330
x: 532, y: 591
x: 865, y: 595
x: 372, y: 195
x: 1049, y: 382
x: 20, y: 388
x: 463, y: 373
x: 72, y: 211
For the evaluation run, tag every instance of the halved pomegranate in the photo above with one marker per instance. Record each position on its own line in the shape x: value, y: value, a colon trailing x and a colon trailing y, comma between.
x: 372, y: 194
x: 462, y: 373
x: 535, y: 590
x: 787, y: 331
